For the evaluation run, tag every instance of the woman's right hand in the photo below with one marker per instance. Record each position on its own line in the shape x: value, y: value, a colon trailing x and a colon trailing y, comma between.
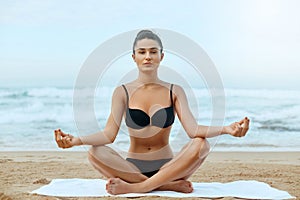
x: 64, y: 140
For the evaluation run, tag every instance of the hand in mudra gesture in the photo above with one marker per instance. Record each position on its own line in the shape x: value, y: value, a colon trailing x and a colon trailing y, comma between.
x: 238, y: 129
x: 63, y: 140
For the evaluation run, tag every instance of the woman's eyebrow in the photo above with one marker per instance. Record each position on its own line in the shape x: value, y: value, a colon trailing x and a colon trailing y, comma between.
x: 152, y: 48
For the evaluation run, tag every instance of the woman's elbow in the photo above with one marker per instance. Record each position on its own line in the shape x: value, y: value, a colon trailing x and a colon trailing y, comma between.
x: 110, y: 136
x: 112, y: 139
x: 194, y: 133
x: 193, y: 136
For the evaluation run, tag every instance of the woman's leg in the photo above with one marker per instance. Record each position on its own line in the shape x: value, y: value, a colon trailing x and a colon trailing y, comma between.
x: 109, y: 163
x: 181, y: 167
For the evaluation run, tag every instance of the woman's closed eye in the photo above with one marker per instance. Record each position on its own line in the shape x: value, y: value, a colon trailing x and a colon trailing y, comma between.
x: 141, y: 52
x: 151, y: 52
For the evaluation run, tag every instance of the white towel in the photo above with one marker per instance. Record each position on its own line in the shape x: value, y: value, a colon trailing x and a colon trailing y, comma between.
x: 96, y: 188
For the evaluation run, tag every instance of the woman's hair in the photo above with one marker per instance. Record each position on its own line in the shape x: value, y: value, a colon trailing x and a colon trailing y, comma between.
x: 143, y: 34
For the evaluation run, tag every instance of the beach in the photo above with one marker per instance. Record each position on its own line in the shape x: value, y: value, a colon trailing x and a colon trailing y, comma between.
x: 29, y: 157
x: 25, y: 171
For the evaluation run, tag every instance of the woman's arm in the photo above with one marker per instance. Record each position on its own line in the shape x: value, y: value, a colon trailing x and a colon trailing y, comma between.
x: 107, y: 135
x: 190, y: 125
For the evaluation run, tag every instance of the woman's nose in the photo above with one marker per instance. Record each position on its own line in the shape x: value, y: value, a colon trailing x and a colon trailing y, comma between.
x: 148, y: 55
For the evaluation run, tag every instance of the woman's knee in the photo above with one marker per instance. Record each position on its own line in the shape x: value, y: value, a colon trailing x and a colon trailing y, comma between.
x: 98, y: 153
x: 200, y: 147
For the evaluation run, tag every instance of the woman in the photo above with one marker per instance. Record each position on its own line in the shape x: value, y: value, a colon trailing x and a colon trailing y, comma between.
x: 149, y: 106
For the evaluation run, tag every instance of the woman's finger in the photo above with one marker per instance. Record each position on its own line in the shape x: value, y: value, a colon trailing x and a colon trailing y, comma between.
x: 238, y: 130
x: 58, y: 138
x: 245, y: 127
x: 62, y: 133
x: 242, y: 121
x: 56, y: 133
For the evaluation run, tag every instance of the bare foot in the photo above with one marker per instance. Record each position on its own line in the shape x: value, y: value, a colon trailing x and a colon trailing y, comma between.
x: 178, y: 186
x: 118, y: 186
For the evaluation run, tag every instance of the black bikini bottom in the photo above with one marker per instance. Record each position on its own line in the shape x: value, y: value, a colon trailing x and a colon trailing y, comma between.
x: 148, y: 167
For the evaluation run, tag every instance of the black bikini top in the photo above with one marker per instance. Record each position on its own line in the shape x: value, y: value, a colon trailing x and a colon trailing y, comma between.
x: 138, y: 119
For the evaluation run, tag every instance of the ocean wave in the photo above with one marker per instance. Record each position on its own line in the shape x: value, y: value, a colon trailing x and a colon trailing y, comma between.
x: 34, y: 92
x: 53, y: 92
x: 286, y: 124
x: 278, y: 128
x: 275, y: 122
x: 20, y: 119
x: 14, y: 94
x: 263, y: 93
x: 36, y: 111
x: 39, y: 92
x: 222, y: 144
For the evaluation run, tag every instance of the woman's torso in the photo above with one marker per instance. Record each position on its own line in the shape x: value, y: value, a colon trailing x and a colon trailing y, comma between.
x: 152, y: 109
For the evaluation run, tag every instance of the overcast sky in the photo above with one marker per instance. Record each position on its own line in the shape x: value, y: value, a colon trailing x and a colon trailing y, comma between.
x: 253, y: 43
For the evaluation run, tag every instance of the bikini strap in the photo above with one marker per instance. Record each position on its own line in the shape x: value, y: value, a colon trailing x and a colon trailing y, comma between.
x: 171, y: 94
x: 126, y: 94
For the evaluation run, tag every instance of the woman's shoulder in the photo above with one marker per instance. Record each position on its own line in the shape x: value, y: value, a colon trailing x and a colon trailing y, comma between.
x: 177, y: 88
x: 119, y: 91
x: 171, y: 85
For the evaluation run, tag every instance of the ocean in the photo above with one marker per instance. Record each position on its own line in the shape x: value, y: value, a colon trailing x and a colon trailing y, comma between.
x: 28, y: 117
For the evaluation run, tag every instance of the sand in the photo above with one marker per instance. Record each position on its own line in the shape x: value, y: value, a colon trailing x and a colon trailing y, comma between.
x: 22, y: 172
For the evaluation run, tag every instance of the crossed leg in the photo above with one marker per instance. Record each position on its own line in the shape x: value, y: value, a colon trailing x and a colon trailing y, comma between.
x: 124, y: 177
x: 110, y: 164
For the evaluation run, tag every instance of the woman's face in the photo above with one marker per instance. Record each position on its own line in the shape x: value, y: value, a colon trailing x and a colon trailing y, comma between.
x: 147, y: 54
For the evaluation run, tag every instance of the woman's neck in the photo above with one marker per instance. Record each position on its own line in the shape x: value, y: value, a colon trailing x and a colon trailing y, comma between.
x: 147, y: 78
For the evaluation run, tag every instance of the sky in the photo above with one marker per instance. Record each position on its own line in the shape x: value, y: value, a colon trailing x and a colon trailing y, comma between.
x: 253, y: 43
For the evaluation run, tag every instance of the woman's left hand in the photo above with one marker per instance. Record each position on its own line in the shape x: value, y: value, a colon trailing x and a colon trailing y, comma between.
x: 238, y: 129
x: 63, y: 140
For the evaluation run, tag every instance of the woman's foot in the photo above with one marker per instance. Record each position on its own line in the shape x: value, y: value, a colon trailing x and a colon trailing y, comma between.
x: 118, y: 186
x: 178, y: 186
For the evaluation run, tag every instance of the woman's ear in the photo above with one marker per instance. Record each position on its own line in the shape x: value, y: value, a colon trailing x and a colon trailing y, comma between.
x: 162, y: 56
x: 133, y: 57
